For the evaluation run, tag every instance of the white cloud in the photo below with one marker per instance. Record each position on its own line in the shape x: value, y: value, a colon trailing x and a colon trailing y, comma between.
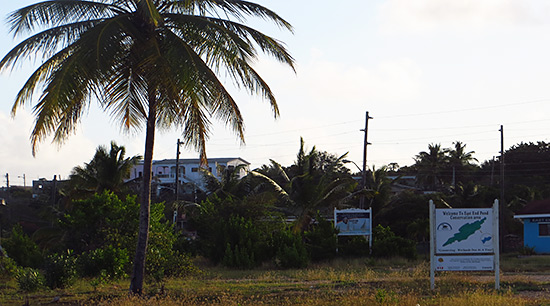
x: 422, y: 15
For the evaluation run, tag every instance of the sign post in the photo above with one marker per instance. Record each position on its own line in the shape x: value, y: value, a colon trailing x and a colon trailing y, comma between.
x: 464, y: 239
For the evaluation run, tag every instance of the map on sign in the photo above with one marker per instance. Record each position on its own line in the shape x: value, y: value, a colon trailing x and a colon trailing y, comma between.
x: 467, y: 230
x: 464, y: 231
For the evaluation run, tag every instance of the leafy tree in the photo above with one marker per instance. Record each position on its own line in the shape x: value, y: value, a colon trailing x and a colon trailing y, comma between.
x: 100, y: 221
x: 527, y: 164
x: 106, y: 171
x: 150, y: 63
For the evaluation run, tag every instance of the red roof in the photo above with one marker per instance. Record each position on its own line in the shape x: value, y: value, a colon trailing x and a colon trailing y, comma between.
x: 535, y: 208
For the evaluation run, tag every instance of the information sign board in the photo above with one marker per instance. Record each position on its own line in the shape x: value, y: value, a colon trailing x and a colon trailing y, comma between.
x: 464, y: 231
x: 353, y: 222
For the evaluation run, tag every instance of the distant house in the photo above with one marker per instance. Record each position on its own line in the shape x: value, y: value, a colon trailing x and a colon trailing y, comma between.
x: 402, y: 183
x: 536, y: 225
x: 164, y: 171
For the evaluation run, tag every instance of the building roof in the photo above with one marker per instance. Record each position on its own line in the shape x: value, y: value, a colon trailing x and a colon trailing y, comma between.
x: 534, y: 208
x: 197, y: 160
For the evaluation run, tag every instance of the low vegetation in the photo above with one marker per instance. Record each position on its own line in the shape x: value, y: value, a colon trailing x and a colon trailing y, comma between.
x: 351, y: 281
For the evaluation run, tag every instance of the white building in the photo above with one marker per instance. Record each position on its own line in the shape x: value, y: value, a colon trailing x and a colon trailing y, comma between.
x: 164, y: 171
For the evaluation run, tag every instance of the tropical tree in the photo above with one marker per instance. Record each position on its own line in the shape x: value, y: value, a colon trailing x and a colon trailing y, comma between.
x: 459, y: 160
x: 307, y: 186
x: 106, y: 171
x: 430, y: 166
x: 379, y: 185
x: 150, y: 63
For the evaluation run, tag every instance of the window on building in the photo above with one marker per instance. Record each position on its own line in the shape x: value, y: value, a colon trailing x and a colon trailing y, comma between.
x: 544, y: 229
x: 194, y: 169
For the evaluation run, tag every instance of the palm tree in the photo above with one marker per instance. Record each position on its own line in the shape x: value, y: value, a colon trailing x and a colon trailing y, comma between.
x: 459, y: 158
x: 430, y: 165
x: 150, y: 63
x: 309, y: 185
x: 106, y: 171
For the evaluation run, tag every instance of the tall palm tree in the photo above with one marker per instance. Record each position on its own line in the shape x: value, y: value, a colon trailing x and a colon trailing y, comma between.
x: 430, y: 165
x: 459, y: 158
x: 106, y: 171
x: 149, y: 63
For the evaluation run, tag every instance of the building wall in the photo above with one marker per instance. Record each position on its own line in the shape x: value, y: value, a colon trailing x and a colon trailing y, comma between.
x: 531, y: 237
x: 164, y: 171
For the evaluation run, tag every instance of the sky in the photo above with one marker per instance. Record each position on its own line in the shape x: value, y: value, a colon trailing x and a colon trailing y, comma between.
x: 427, y: 71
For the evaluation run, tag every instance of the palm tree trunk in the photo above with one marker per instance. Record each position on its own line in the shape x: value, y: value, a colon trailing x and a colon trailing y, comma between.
x: 136, y: 284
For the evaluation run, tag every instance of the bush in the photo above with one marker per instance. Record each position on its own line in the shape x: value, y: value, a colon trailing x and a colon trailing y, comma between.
x: 290, y: 250
x: 321, y: 241
x: 245, y: 225
x: 527, y: 250
x: 60, y: 270
x: 109, y: 262
x: 241, y: 239
x: 387, y: 244
x: 22, y: 249
x: 29, y: 279
x: 8, y: 267
x: 353, y: 246
x: 160, y: 249
x: 181, y: 265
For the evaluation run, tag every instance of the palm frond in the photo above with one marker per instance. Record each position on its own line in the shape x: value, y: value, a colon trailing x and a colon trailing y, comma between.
x: 55, y: 13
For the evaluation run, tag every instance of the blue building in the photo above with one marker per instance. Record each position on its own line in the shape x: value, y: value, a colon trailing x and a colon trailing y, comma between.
x: 536, y: 225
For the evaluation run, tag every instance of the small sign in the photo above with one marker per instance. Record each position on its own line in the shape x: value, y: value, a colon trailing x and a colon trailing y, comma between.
x: 539, y: 220
x: 353, y: 222
x: 465, y: 263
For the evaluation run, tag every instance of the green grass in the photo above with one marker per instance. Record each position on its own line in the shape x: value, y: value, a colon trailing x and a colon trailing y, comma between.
x: 340, y: 282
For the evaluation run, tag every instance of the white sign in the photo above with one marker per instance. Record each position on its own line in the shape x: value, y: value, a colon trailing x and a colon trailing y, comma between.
x: 353, y: 222
x: 464, y: 231
x: 465, y: 263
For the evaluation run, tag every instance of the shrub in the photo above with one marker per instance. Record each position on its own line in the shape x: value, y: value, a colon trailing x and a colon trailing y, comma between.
x: 321, y: 241
x: 29, y: 279
x: 527, y: 250
x: 181, y: 265
x: 160, y: 249
x: 246, y: 225
x: 22, y: 249
x: 109, y: 262
x: 290, y: 250
x: 8, y: 267
x: 60, y: 270
x: 353, y: 246
x: 387, y: 244
x: 241, y: 239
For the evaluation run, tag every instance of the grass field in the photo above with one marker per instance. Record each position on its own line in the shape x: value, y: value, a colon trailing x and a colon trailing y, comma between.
x: 524, y: 281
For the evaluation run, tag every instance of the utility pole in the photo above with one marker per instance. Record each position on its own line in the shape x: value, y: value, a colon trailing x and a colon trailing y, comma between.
x: 365, y: 144
x: 24, y: 179
x: 8, y: 185
x: 179, y: 143
x: 501, y: 208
